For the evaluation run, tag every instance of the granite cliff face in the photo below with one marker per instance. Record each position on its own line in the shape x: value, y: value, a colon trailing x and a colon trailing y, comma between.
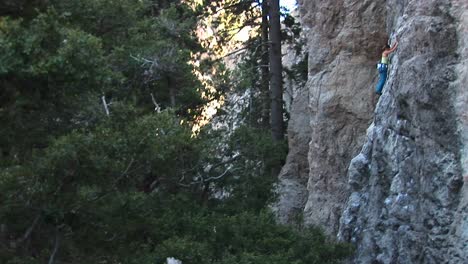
x: 332, y: 112
x: 387, y: 178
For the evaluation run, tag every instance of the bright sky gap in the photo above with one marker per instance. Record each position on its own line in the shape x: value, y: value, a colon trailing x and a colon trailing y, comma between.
x: 289, y: 4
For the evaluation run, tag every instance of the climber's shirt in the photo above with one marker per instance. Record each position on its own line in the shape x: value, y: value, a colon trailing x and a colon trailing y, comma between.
x: 384, y: 60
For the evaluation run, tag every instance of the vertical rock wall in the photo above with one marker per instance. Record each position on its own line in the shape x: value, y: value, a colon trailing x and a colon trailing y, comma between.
x: 294, y: 175
x: 402, y: 199
x: 459, y: 228
x: 292, y: 189
x: 407, y: 187
x: 344, y: 38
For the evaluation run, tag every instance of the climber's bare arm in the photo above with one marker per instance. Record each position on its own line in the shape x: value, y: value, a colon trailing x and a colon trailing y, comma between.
x: 385, y: 53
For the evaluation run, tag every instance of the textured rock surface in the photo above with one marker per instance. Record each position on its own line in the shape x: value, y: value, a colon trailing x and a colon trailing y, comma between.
x: 344, y: 38
x: 459, y: 230
x: 294, y: 175
x: 407, y: 198
x: 402, y: 198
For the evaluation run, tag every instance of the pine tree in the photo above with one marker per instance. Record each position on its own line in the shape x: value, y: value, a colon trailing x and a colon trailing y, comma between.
x: 276, y: 81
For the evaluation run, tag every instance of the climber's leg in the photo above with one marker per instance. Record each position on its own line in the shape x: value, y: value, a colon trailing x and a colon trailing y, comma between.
x: 381, y: 83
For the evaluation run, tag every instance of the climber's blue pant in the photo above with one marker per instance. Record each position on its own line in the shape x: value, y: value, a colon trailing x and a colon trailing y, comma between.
x: 382, y: 79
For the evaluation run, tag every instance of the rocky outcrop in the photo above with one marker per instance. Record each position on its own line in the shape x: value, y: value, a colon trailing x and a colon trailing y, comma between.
x: 343, y: 42
x: 346, y: 36
x: 292, y: 185
x: 294, y: 175
x: 397, y: 190
x: 406, y: 204
x: 459, y: 228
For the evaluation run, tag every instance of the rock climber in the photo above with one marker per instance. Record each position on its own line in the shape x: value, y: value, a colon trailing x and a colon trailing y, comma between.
x: 382, y: 66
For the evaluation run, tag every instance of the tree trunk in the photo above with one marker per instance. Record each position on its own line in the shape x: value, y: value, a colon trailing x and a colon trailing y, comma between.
x: 265, y: 71
x: 276, y: 82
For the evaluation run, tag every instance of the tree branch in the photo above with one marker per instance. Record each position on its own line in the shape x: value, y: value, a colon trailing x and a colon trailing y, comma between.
x: 204, y: 180
x: 56, y: 246
x: 28, y: 232
x: 157, y: 108
x: 212, y: 13
x: 103, y: 98
x: 223, y: 162
x: 217, y: 177
x: 114, y: 184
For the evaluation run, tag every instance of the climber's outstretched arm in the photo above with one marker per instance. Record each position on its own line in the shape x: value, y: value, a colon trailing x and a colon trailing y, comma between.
x: 392, y: 48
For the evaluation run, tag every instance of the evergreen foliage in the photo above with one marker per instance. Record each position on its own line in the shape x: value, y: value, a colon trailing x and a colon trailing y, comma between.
x: 78, y: 185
